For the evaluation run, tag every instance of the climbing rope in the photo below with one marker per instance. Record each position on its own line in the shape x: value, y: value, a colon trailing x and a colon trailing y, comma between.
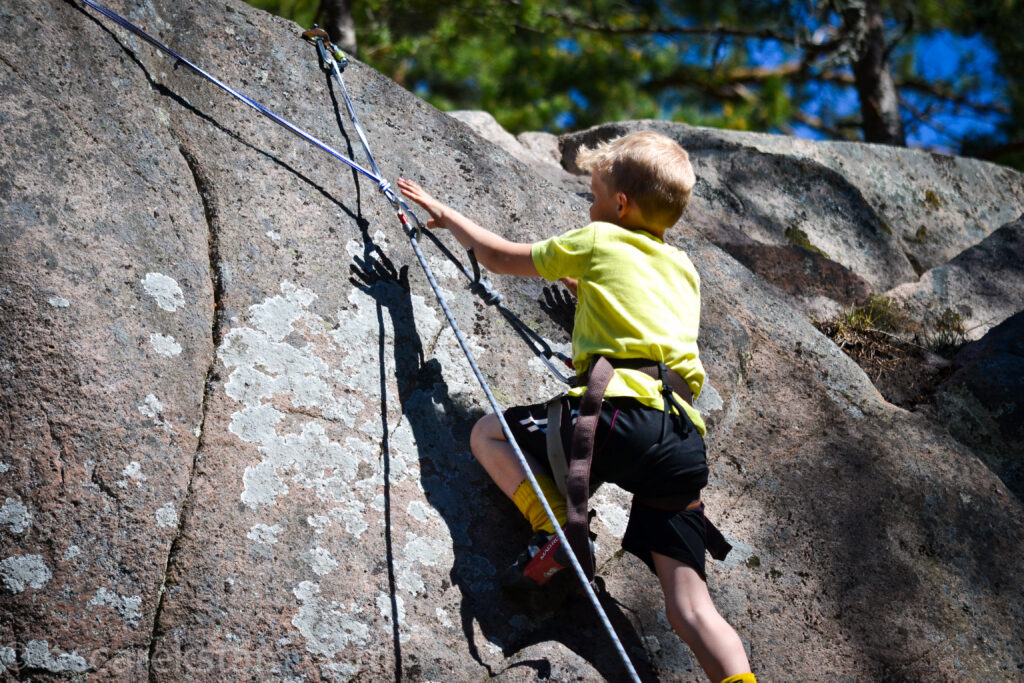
x: 334, y: 61
x: 327, y: 54
x: 479, y: 285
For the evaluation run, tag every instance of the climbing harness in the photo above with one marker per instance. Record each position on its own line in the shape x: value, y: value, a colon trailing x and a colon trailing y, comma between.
x: 402, y: 211
x: 575, y: 471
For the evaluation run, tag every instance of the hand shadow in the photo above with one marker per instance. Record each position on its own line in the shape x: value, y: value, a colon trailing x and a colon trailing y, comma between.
x: 377, y: 267
x: 560, y: 305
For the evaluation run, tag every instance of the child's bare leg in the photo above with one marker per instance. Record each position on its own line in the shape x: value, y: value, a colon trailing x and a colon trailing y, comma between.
x: 493, y: 451
x: 693, y: 615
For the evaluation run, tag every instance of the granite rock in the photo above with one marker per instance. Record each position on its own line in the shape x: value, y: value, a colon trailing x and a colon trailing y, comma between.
x: 982, y: 402
x: 976, y: 290
x: 235, y: 444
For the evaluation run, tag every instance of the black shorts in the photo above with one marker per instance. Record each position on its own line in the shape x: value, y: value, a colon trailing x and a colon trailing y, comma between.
x: 637, y: 449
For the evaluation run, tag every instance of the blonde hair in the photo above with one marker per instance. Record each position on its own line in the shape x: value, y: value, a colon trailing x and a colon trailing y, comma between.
x: 650, y: 168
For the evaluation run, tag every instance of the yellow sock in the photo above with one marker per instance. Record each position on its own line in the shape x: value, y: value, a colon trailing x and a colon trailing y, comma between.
x: 740, y: 678
x: 531, y: 507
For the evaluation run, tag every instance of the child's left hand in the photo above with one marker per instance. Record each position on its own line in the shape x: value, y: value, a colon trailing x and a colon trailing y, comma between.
x: 436, y: 209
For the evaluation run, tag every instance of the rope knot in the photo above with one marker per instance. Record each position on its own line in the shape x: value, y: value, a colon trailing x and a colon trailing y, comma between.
x: 483, y: 289
x: 385, y: 188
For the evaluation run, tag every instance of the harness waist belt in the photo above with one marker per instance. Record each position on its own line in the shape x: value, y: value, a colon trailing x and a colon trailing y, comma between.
x: 649, y: 367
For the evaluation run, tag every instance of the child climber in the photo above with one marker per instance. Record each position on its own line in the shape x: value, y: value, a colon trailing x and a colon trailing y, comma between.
x: 638, y: 308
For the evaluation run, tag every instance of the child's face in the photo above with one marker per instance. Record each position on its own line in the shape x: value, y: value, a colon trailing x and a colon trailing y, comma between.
x: 606, y: 205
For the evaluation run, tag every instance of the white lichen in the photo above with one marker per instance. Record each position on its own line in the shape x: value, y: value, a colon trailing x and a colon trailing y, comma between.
x: 58, y: 302
x: 386, y: 608
x: 132, y: 471
x: 613, y: 516
x: 164, y: 345
x: 318, y: 522
x: 709, y: 400
x: 164, y: 290
x: 24, y: 571
x: 320, y: 561
x: 151, y: 407
x: 261, y: 533
x: 421, y: 512
x: 326, y: 626
x: 15, y: 516
x: 167, y: 515
x: 37, y: 655
x: 126, y: 606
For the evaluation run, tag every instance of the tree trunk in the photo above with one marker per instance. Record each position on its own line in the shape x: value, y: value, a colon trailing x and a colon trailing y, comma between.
x: 879, y: 104
x: 335, y: 17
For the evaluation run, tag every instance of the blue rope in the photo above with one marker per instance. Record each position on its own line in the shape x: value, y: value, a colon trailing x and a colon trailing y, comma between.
x: 478, y: 286
x: 402, y: 208
x: 279, y: 120
x: 483, y: 286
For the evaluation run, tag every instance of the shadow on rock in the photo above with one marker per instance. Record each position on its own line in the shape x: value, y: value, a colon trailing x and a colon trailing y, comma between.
x: 890, y: 536
x: 485, y: 529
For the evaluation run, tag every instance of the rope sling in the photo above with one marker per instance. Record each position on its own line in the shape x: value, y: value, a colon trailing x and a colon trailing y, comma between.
x: 477, y: 285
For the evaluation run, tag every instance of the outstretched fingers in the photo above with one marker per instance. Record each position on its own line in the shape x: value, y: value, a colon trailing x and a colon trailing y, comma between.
x: 413, y: 190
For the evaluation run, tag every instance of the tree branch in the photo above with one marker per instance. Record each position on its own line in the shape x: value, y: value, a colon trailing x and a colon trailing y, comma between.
x: 908, y: 26
x: 719, y: 30
x: 798, y: 72
x: 943, y: 92
x: 837, y: 131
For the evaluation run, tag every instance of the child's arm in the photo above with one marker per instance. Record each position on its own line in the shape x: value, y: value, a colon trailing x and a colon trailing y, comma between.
x: 494, y: 252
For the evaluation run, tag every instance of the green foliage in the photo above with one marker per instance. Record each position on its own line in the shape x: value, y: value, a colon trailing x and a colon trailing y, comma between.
x: 950, y: 334
x: 878, y: 313
x: 765, y: 65
x: 302, y: 12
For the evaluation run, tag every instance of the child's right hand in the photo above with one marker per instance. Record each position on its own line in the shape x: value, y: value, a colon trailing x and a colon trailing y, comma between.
x: 436, y: 209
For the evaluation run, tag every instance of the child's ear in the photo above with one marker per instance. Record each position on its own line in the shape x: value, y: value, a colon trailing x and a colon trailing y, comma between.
x: 623, y: 203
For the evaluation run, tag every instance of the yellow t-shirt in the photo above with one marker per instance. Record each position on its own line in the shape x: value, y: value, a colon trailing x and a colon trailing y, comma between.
x: 637, y: 298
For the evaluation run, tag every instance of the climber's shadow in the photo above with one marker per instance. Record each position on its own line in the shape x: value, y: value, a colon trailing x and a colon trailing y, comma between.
x: 486, y: 531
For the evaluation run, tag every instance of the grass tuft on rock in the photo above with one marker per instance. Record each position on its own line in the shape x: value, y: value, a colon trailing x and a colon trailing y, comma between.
x: 884, y: 342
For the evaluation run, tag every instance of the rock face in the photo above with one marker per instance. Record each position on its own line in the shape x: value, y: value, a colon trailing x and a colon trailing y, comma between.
x: 236, y: 423
x: 787, y: 207
x: 981, y: 286
x: 983, y: 402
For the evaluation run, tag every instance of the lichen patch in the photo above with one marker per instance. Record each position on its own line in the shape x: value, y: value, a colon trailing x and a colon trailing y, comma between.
x: 24, y: 571
x: 164, y: 345
x: 165, y: 290
x: 15, y: 516
x: 126, y: 606
x: 327, y: 627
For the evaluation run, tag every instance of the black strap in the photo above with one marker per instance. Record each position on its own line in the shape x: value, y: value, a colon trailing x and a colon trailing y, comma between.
x: 597, y: 377
x: 577, y: 528
x: 652, y: 368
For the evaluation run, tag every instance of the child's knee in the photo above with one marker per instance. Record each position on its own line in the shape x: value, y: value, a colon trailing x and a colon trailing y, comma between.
x: 683, y: 621
x: 689, y: 621
x: 487, y: 428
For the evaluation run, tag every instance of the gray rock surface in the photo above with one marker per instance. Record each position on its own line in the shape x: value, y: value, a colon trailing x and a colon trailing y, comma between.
x: 235, y: 443
x: 539, y: 151
x: 983, y: 285
x: 983, y: 402
x: 882, y: 214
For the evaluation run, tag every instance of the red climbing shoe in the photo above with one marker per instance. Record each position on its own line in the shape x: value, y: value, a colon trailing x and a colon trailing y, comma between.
x: 543, y: 558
